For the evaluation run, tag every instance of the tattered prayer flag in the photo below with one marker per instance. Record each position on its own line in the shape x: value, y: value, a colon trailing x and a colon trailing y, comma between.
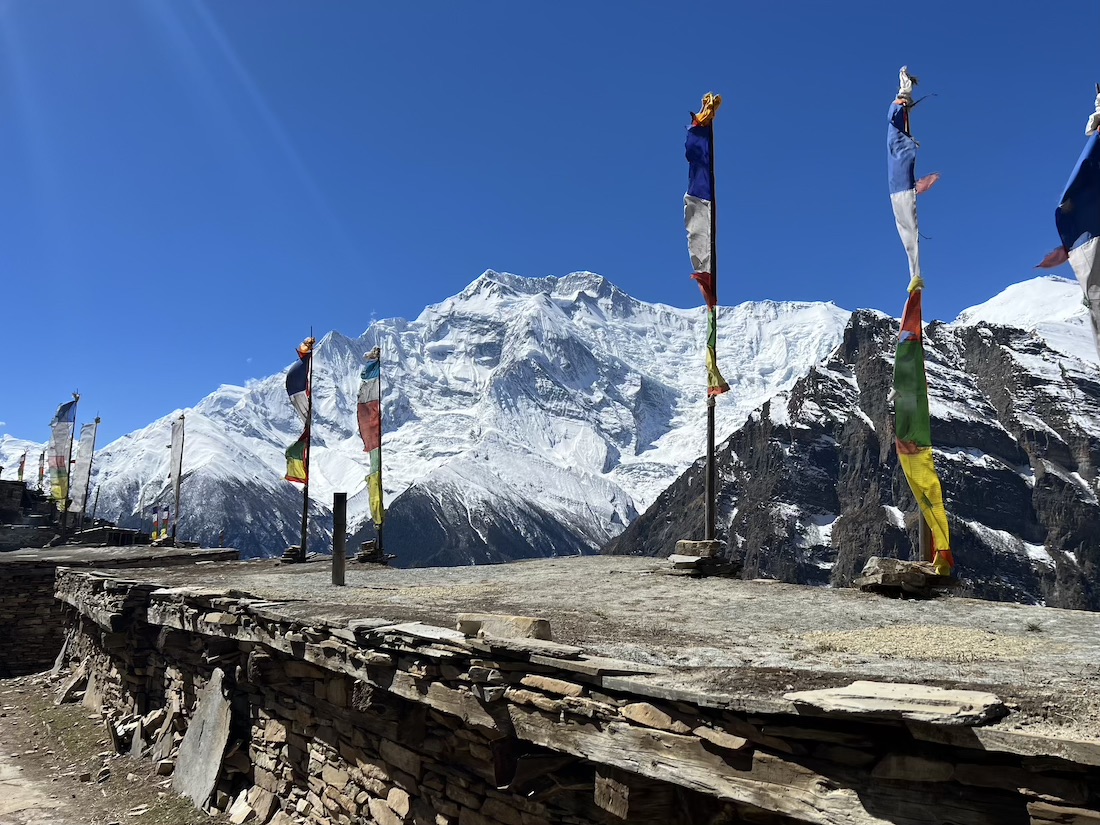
x: 1078, y: 221
x: 901, y: 159
x: 296, y: 457
x: 912, y: 424
x: 60, y: 450
x: 369, y: 415
x: 913, y: 430
x: 699, y: 218
x: 297, y: 383
x: 299, y: 380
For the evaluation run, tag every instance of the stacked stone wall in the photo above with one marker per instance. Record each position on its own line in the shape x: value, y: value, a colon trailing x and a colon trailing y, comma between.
x: 341, y: 719
x: 33, y: 621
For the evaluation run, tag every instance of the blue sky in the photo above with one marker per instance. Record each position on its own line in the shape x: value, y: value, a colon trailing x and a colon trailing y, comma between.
x: 186, y: 187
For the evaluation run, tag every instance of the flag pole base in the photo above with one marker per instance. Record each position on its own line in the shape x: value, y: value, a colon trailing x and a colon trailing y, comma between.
x: 903, y: 579
x: 371, y: 553
x: 702, y: 558
x: 293, y: 555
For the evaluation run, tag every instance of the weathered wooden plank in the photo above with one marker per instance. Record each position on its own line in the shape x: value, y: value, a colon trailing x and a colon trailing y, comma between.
x: 633, y: 798
x: 765, y: 781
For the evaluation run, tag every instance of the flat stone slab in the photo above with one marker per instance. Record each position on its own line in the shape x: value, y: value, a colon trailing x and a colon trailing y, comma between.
x: 503, y: 626
x: 699, y: 549
x: 134, y: 555
x: 726, y: 642
x: 200, y: 756
x: 917, y: 578
x: 914, y: 703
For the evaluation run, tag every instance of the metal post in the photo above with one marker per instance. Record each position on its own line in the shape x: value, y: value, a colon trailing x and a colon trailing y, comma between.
x: 339, y: 536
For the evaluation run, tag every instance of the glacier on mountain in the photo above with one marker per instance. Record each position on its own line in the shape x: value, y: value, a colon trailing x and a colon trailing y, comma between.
x: 521, y: 417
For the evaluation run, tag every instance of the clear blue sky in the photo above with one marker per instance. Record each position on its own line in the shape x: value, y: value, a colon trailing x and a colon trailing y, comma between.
x: 187, y: 186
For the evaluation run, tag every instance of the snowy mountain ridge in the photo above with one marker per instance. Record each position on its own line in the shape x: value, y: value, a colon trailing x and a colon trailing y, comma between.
x: 810, y: 487
x: 542, y: 406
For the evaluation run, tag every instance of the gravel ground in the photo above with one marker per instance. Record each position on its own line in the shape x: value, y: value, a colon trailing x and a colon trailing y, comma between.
x: 45, y: 751
x: 725, y: 635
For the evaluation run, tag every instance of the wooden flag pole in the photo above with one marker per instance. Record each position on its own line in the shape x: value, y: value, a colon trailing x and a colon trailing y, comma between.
x: 709, y: 491
x: 309, y: 426
x: 179, y: 480
x: 88, y: 481
x: 69, y: 468
x: 381, y: 503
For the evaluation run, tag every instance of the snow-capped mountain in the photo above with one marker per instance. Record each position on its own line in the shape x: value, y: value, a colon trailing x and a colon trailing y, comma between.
x: 11, y: 452
x: 521, y: 417
x: 810, y: 486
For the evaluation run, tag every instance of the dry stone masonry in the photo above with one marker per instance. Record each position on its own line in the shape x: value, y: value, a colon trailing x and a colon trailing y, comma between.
x: 276, y: 713
x: 33, y: 621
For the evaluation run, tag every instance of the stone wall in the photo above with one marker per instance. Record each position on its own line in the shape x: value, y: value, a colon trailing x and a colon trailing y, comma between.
x: 278, y: 712
x: 33, y: 621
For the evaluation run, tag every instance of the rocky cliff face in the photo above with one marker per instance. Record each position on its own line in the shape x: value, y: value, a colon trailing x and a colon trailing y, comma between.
x: 810, y: 486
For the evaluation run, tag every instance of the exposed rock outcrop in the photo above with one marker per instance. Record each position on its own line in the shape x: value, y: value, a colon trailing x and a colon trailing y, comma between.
x: 810, y: 487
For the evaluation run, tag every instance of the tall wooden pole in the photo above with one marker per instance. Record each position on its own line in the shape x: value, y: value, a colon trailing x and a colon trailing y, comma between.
x: 709, y: 490
x: 69, y: 468
x: 381, y: 502
x: 924, y: 537
x: 178, y: 474
x: 88, y: 480
x: 309, y: 425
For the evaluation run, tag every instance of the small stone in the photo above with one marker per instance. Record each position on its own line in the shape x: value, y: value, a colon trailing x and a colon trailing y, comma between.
x: 643, y: 713
x: 398, y: 800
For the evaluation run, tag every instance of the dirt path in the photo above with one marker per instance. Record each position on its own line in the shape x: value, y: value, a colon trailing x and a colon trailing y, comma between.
x: 57, y: 768
x: 26, y: 800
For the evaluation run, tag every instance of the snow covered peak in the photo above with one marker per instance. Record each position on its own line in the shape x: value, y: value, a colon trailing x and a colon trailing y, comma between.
x: 1027, y: 304
x: 492, y: 289
x: 1049, y: 306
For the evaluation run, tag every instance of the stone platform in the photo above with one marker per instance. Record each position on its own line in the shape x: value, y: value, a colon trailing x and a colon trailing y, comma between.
x: 658, y: 699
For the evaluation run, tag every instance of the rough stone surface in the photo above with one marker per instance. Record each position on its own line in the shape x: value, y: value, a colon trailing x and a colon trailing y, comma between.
x: 200, y: 753
x: 700, y: 549
x: 415, y: 743
x: 915, y: 703
x: 1017, y: 454
x: 503, y: 626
